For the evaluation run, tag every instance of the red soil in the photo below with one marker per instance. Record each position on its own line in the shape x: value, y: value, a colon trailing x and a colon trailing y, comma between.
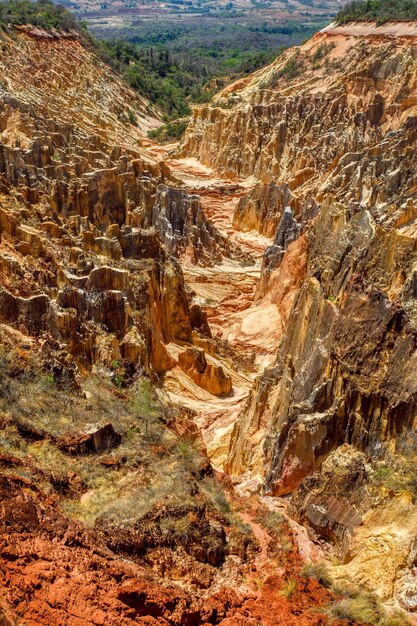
x: 54, y: 572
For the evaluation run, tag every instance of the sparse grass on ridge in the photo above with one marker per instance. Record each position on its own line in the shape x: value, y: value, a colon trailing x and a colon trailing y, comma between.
x: 364, y: 608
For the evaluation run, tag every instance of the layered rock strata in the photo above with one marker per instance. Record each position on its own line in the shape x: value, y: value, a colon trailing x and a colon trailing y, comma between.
x: 334, y: 134
x: 329, y: 130
x: 87, y: 223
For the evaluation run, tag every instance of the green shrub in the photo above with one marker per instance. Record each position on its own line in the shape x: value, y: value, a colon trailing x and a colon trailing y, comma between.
x: 43, y: 13
x: 215, y: 494
x: 293, y: 67
x: 132, y: 117
x: 397, y: 472
x: 380, y: 11
x: 322, y: 51
x: 396, y: 618
x: 170, y: 132
x: 272, y: 520
x: 182, y: 530
x: 362, y: 608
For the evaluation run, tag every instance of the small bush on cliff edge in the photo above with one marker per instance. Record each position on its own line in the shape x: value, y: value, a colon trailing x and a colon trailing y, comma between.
x: 289, y: 588
x: 361, y: 608
x: 294, y: 67
x: 273, y: 521
x: 319, y: 572
x: 170, y: 132
x: 397, y: 471
x: 397, y: 618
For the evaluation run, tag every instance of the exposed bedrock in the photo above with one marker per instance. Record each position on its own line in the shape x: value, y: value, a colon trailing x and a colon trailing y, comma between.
x: 127, y: 310
x: 334, y: 501
x: 140, y: 309
x: 127, y: 192
x: 208, y: 375
x: 80, y: 157
x: 332, y: 152
x: 288, y: 231
x: 90, y: 233
x: 298, y: 131
x: 345, y: 367
x: 261, y: 209
x: 182, y: 225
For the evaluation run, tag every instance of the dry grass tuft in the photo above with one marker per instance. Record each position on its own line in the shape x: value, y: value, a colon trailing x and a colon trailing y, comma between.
x: 319, y: 572
x: 289, y: 588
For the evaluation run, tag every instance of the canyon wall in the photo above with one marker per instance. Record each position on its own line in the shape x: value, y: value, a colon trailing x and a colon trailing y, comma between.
x: 316, y: 158
x: 326, y: 135
x: 329, y: 130
x: 92, y: 224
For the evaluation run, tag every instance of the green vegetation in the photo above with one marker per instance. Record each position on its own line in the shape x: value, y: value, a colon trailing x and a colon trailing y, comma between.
x: 380, y: 11
x: 176, y: 64
x: 43, y: 14
x: 396, y: 618
x: 275, y: 523
x: 173, y: 79
x: 171, y: 63
x: 215, y: 494
x: 153, y: 73
x: 170, y: 132
x: 362, y: 608
x: 170, y: 79
x: 291, y: 69
x: 322, y: 51
x: 150, y: 481
x: 272, y: 521
x: 298, y: 64
x: 289, y: 588
x: 397, y: 472
x: 295, y: 66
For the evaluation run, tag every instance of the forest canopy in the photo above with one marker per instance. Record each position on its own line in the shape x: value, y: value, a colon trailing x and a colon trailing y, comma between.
x: 44, y: 14
x: 380, y: 11
x: 170, y: 80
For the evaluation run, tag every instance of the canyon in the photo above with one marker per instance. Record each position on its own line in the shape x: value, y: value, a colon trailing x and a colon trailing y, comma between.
x: 254, y: 288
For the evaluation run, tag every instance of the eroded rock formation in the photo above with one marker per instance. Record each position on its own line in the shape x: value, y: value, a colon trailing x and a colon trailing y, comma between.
x: 318, y: 283
x: 86, y: 222
x: 329, y: 131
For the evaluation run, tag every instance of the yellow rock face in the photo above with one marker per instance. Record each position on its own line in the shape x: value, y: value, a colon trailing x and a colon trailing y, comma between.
x: 381, y: 547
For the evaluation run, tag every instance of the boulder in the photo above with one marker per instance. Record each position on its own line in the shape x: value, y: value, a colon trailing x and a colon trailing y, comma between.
x: 108, y: 278
x: 93, y: 438
x: 207, y: 374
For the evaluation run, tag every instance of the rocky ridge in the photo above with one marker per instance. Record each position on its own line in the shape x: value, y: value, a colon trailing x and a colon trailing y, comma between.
x: 326, y: 135
x: 264, y: 278
x: 87, y: 211
x: 111, y: 512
